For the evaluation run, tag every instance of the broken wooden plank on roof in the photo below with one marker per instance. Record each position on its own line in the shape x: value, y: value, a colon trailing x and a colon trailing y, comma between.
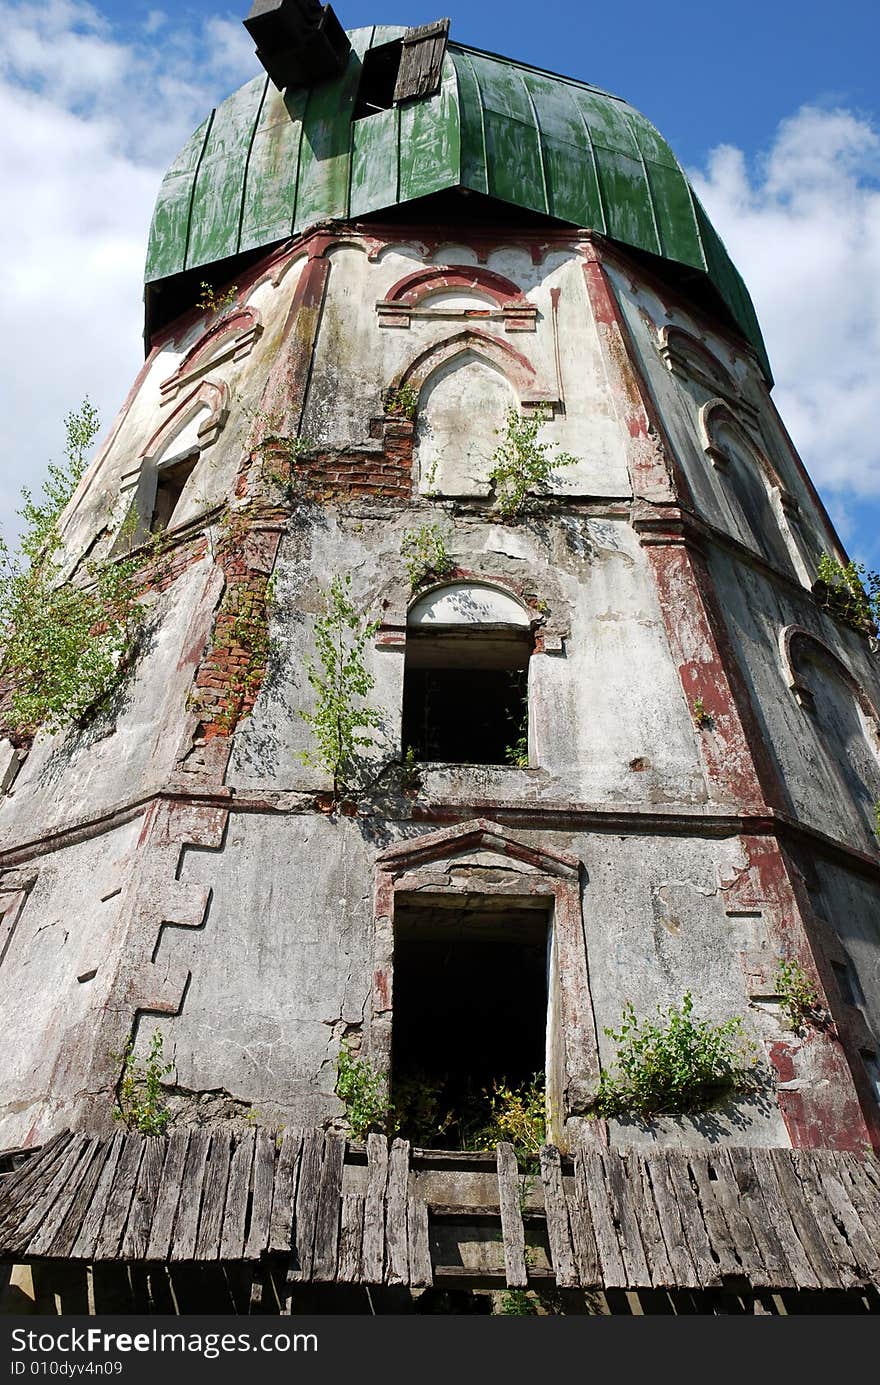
x: 311, y: 1163
x: 284, y: 1197
x: 143, y: 1205
x: 512, y: 1230
x: 237, y: 1192
x: 421, y: 61
x: 558, y: 1229
x: 351, y: 1237
x: 119, y: 1200
x: 328, y: 1210
x: 396, y: 1206
x: 85, y: 1244
x: 186, y: 1227
x: 214, y: 1196
x: 420, y: 1271
x: 261, y: 1195
x: 168, y: 1196
x: 374, y: 1209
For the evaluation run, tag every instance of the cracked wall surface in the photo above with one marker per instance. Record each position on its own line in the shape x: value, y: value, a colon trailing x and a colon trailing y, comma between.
x: 175, y: 865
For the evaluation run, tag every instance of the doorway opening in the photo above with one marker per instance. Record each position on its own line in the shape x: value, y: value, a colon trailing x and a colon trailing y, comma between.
x: 470, y: 1012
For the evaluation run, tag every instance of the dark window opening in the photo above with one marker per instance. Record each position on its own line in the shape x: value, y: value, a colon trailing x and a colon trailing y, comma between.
x: 378, y: 79
x: 169, y: 488
x: 872, y: 1067
x: 470, y: 1012
x: 848, y: 983
x: 465, y: 697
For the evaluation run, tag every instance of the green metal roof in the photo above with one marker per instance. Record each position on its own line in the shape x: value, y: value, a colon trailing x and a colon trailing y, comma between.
x: 265, y: 166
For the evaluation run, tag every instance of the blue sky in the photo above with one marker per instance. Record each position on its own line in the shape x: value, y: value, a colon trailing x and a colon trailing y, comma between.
x: 774, y: 108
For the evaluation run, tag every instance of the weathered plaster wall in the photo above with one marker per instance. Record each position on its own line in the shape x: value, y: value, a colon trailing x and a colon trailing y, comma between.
x: 684, y: 373
x: 829, y: 756
x: 268, y: 971
x: 57, y: 972
x: 284, y: 962
x: 609, y: 720
x: 130, y: 748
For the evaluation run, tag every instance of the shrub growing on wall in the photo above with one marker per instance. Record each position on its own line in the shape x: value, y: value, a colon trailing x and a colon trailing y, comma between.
x: 64, y: 644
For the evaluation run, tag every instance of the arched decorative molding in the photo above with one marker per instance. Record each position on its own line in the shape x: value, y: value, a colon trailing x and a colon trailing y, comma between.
x: 690, y: 358
x: 209, y: 394
x: 531, y: 388
x: 794, y: 641
x: 405, y: 297
x: 230, y: 339
x: 717, y: 413
x: 468, y: 602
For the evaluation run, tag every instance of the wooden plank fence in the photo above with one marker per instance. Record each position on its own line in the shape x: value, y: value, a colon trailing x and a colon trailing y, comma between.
x: 667, y: 1219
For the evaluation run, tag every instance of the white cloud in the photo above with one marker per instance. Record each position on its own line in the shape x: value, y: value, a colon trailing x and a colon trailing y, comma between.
x: 803, y: 226
x: 91, y: 120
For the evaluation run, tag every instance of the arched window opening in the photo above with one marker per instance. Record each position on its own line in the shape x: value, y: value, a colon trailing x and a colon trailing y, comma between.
x: 465, y: 695
x: 751, y: 501
x: 849, y: 733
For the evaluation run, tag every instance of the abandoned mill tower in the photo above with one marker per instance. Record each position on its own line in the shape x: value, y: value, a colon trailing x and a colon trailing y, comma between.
x: 485, y: 685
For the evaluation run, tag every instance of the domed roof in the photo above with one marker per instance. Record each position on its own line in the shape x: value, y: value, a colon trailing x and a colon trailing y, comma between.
x: 265, y: 166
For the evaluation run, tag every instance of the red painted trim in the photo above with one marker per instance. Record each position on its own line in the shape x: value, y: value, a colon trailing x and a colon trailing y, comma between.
x: 413, y: 288
x: 653, y: 468
x: 829, y: 1107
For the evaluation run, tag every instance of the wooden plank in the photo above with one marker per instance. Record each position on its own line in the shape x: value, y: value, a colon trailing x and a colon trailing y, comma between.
x: 396, y: 1207
x: 512, y: 1230
x: 22, y: 1195
x: 829, y: 1181
x: 120, y: 1196
x: 69, y: 1229
x: 556, y: 1212
x: 809, y: 1172
x: 614, y: 1274
x: 329, y: 1209
x: 868, y: 1203
x: 661, y: 1271
x: 53, y: 1219
x: 307, y: 1195
x: 776, y: 1271
x: 83, y: 1247
x: 626, y: 1219
x: 237, y: 1192
x: 866, y: 1242
x: 586, y: 1253
x: 168, y: 1195
x: 374, y: 1209
x: 420, y: 1271
x: 871, y: 1169
x: 284, y: 1196
x: 720, y: 1237
x: 658, y: 1186
x: 214, y: 1196
x: 801, y: 1272
x: 186, y: 1224
x: 802, y: 1218
x: 698, y: 1244
x: 16, y: 1186
x: 351, y: 1236
x: 261, y: 1201
x: 140, y: 1218
x: 43, y: 1201
x: 727, y: 1194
